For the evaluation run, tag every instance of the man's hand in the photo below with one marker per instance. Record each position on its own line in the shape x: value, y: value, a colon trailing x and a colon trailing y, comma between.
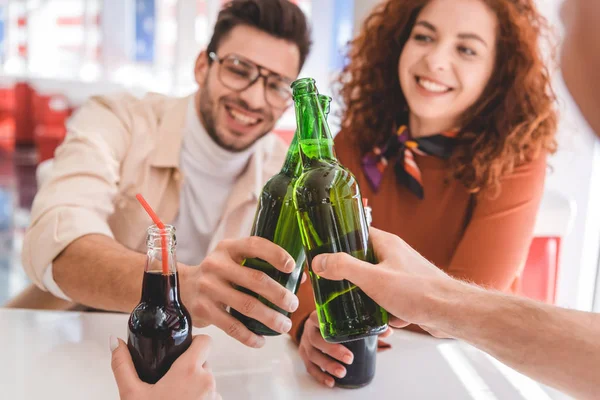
x: 188, y: 377
x: 208, y: 289
x: 400, y: 283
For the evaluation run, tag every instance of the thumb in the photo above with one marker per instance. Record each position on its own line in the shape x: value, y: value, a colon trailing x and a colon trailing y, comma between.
x: 122, y: 367
x: 193, y: 359
x: 340, y: 266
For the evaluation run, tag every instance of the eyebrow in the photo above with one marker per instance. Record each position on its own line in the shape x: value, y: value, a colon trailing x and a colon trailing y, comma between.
x: 471, y: 36
x: 250, y: 62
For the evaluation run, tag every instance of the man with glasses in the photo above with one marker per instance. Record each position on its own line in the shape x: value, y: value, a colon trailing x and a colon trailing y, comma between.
x: 200, y: 162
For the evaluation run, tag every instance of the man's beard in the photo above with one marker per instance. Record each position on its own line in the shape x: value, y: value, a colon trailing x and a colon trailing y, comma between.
x: 207, y: 114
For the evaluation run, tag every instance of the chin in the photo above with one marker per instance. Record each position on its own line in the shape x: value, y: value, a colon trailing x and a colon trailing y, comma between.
x: 431, y: 113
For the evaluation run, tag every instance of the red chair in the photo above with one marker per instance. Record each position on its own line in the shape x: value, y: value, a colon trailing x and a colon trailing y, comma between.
x: 554, y: 222
x: 50, y: 109
x: 47, y: 139
x: 7, y: 131
x: 7, y: 99
x: 23, y: 121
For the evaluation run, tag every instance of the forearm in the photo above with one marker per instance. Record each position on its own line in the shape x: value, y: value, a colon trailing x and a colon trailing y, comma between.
x: 555, y: 346
x: 96, y: 271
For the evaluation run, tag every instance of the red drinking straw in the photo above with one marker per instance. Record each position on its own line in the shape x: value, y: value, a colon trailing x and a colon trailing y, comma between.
x: 161, y: 226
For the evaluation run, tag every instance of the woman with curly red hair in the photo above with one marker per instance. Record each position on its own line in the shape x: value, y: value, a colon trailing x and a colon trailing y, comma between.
x: 449, y: 116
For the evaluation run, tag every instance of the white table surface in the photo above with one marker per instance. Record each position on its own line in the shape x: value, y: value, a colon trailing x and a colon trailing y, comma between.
x: 65, y: 355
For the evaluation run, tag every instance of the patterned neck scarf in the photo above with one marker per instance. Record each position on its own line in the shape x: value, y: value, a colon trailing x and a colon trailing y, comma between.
x: 400, y: 150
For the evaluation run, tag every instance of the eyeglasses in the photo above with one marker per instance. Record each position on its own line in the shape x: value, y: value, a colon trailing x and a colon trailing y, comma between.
x: 238, y: 73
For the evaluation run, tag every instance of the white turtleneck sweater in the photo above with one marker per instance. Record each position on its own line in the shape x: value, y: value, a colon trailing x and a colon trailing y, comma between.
x: 209, y: 175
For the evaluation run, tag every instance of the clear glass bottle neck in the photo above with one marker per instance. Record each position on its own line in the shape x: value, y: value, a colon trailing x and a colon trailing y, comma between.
x: 157, y: 287
x: 155, y: 241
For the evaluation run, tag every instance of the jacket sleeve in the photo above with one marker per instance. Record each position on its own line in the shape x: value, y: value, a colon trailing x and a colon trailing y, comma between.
x: 78, y: 196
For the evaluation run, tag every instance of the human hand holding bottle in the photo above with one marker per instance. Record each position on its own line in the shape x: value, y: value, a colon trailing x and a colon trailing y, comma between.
x: 324, y: 360
x: 400, y: 283
x: 188, y: 377
x: 209, y: 288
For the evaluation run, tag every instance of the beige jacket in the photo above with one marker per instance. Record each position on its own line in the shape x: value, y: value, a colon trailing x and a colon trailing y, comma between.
x: 118, y: 146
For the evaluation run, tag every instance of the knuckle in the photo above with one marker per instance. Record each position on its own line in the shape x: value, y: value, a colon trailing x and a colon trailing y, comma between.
x: 207, y: 381
x: 259, y: 277
x: 282, y: 295
x: 253, y: 244
x: 201, y: 284
x: 209, y: 264
x: 117, y: 362
x: 314, y: 336
x: 313, y: 355
x: 201, y: 309
x: 332, y: 260
x: 248, y: 306
x: 303, y: 355
x: 224, y: 244
x: 206, y: 284
x: 235, y: 329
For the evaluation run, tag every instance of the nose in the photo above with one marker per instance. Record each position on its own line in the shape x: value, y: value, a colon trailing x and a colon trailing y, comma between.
x: 254, y: 95
x: 438, y: 58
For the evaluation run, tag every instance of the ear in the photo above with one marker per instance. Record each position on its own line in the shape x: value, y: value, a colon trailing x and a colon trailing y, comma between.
x: 201, y: 68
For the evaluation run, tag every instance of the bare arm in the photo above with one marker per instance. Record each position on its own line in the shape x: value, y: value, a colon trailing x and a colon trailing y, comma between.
x: 553, y: 345
x: 116, y: 273
x: 556, y: 346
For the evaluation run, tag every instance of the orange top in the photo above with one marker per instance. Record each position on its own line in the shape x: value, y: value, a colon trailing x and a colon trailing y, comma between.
x: 473, y: 237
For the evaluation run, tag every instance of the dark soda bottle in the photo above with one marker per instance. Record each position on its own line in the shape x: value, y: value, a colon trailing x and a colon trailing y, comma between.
x: 362, y: 371
x: 276, y: 221
x: 332, y: 220
x: 160, y: 328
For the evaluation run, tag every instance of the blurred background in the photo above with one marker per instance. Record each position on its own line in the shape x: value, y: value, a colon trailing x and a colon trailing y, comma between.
x: 54, y: 54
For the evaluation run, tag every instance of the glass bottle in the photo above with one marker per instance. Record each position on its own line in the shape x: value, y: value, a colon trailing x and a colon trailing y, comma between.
x: 276, y: 221
x: 331, y: 219
x: 160, y: 327
x: 362, y: 370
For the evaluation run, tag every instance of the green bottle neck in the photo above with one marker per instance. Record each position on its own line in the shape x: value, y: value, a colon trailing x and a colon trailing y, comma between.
x: 316, y: 142
x: 292, y: 165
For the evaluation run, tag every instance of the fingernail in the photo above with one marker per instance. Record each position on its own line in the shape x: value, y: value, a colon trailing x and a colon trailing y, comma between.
x: 113, y: 342
x: 286, y: 325
x: 340, y: 372
x: 348, y: 359
x: 329, y: 382
x: 258, y: 342
x: 319, y: 266
x: 294, y: 303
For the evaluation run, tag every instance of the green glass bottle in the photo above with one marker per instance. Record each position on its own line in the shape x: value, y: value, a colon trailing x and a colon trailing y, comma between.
x: 276, y: 220
x: 332, y: 220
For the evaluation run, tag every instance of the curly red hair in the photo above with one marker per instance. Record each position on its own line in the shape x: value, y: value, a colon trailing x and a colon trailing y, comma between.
x: 513, y: 122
